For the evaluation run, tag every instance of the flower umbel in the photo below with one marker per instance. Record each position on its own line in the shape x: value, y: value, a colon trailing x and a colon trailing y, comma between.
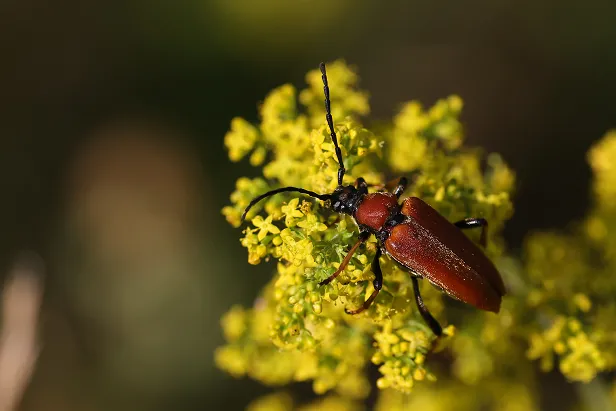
x: 571, y: 283
x: 309, y: 336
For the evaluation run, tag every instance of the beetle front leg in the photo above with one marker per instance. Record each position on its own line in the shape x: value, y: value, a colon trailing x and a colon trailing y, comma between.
x: 377, y: 283
x: 475, y: 222
x: 431, y: 321
x: 363, y: 236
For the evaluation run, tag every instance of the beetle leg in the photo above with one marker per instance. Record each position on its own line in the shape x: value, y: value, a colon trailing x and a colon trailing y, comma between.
x: 397, y: 186
x: 432, y: 323
x: 400, y: 187
x: 475, y: 222
x: 363, y: 236
x: 377, y: 283
x: 362, y: 186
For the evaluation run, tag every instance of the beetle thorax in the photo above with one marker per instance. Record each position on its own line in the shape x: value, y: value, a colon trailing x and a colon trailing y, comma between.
x: 375, y: 209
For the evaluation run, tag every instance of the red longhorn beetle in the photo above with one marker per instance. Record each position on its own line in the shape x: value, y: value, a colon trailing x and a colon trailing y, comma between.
x: 415, y: 235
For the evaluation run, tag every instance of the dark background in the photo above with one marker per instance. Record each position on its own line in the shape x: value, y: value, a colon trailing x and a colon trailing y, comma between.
x: 147, y: 85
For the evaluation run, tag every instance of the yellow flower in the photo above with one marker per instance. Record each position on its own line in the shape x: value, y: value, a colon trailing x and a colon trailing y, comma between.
x: 230, y: 359
x: 279, y: 106
x: 602, y: 159
x: 311, y: 224
x: 272, y: 402
x: 401, y: 353
x: 265, y: 226
x: 296, y: 252
x: 332, y: 403
x: 233, y: 323
x: 241, y: 139
x: 291, y: 212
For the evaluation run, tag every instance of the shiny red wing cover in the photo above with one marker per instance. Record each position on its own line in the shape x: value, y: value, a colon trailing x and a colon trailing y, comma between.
x: 439, y: 251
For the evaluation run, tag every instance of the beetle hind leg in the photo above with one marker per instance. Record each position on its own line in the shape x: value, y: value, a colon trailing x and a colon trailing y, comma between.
x: 423, y: 310
x: 475, y: 222
x: 377, y: 283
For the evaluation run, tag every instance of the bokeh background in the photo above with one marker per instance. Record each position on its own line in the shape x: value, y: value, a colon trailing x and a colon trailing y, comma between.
x: 112, y: 166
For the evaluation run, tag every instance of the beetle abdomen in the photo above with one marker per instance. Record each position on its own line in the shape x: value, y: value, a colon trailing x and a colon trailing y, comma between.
x: 375, y: 208
x: 452, y: 237
x: 440, y: 252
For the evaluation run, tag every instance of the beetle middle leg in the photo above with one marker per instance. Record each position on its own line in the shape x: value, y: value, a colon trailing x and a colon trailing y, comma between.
x: 363, y: 236
x: 377, y: 283
x: 475, y: 222
x: 431, y: 321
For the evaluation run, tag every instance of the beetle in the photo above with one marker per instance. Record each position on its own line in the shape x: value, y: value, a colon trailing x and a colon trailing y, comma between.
x: 414, y: 235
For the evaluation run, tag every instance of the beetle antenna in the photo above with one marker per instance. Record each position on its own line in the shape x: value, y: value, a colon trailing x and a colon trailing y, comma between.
x: 284, y: 190
x: 330, y: 123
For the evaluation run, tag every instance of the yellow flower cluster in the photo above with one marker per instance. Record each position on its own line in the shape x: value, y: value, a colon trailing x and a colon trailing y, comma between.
x: 253, y: 349
x: 402, y: 354
x: 346, y: 99
x: 298, y: 330
x: 580, y: 358
x: 417, y: 135
x: 601, y: 158
x: 571, y: 283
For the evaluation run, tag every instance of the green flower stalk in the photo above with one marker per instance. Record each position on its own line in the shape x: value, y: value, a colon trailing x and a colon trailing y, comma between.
x: 297, y: 330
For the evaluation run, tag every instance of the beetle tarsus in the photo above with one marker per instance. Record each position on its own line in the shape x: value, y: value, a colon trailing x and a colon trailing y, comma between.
x: 473, y: 223
x: 377, y: 283
x: 423, y: 310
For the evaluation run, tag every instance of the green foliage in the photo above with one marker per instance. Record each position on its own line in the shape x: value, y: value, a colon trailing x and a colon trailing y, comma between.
x: 558, y: 308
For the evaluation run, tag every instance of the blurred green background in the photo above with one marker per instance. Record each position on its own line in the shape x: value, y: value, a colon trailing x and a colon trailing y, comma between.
x: 112, y: 165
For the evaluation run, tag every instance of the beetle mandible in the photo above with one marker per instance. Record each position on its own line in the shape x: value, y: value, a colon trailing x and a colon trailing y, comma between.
x: 414, y: 235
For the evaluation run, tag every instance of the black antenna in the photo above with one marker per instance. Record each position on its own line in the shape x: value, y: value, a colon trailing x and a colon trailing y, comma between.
x: 283, y: 190
x: 330, y: 123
